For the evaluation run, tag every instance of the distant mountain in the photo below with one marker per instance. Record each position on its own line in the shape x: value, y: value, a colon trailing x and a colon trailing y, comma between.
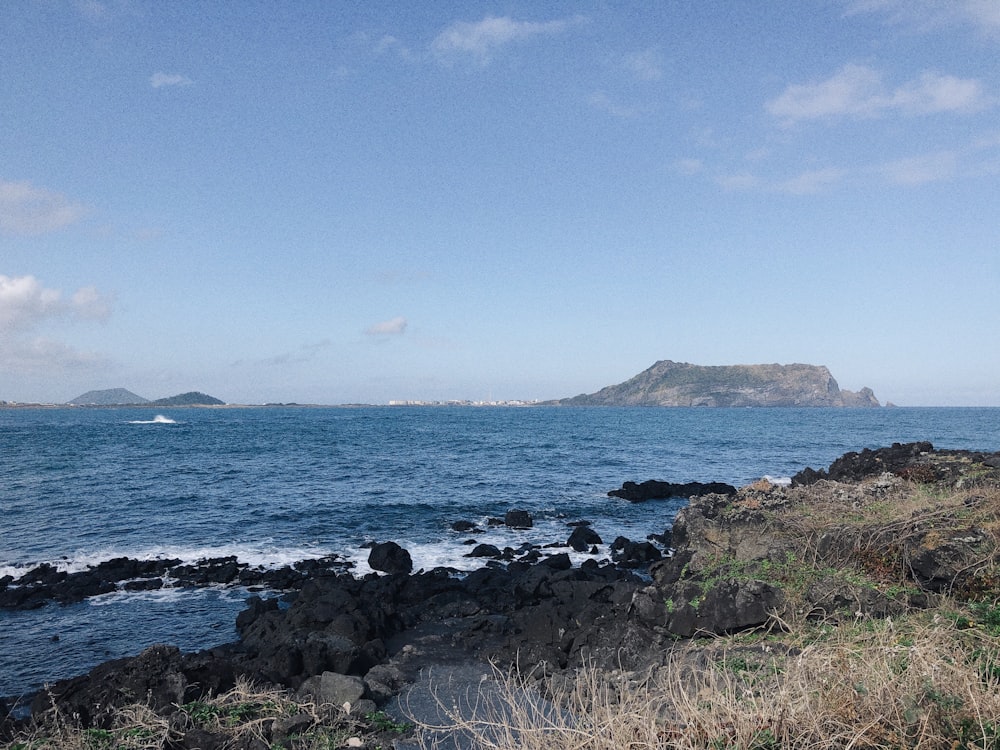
x: 109, y: 397
x: 669, y: 383
x: 122, y: 397
x: 192, y: 398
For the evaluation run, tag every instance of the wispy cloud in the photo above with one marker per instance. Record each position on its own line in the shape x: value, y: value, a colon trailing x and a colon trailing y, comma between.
x: 159, y: 80
x: 305, y: 353
x: 689, y: 166
x: 646, y: 65
x: 927, y: 15
x: 26, y: 209
x: 394, y: 327
x: 812, y: 181
x: 738, y: 181
x: 42, y: 355
x: 859, y: 91
x: 919, y: 170
x: 603, y: 102
x: 482, y: 39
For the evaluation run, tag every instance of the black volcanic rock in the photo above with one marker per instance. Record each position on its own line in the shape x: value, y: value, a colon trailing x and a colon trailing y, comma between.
x: 583, y: 538
x: 654, y: 489
x: 389, y: 557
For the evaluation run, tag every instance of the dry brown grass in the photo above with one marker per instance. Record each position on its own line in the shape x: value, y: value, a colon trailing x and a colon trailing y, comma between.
x: 921, y: 684
x: 243, y: 717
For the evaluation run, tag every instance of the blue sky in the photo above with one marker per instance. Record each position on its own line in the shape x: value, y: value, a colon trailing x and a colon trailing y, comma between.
x: 336, y: 202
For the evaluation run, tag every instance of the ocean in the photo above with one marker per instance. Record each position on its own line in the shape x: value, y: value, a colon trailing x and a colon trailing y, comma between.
x: 274, y: 485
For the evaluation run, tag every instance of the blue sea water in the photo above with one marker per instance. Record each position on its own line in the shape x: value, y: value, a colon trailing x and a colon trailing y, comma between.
x: 279, y: 484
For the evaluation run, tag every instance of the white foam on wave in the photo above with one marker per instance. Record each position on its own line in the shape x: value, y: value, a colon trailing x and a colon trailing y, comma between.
x: 261, y: 555
x: 779, y: 481
x: 158, y: 419
x: 167, y: 595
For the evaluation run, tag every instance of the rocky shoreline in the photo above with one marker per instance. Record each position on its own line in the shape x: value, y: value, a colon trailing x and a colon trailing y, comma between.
x: 737, y: 561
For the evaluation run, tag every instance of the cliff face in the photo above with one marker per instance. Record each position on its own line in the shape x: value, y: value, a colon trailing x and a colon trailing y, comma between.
x: 669, y: 383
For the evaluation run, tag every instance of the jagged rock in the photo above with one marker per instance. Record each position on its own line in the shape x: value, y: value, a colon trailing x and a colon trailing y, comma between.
x: 950, y: 560
x: 582, y: 538
x: 486, y: 550
x: 334, y: 688
x: 722, y: 607
x: 518, y: 519
x: 155, y: 676
x: 654, y: 489
x: 634, y: 554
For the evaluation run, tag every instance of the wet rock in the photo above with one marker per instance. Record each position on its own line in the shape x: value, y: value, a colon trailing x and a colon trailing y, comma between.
x: 389, y: 557
x: 485, y: 550
x: 855, y: 466
x: 654, y: 489
x: 582, y: 538
x: 634, y: 554
x: 518, y: 519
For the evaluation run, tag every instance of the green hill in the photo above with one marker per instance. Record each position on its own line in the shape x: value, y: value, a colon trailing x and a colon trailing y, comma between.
x: 192, y: 398
x: 109, y: 397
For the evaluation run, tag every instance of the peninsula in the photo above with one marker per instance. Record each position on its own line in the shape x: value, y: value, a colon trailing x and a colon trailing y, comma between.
x: 669, y: 383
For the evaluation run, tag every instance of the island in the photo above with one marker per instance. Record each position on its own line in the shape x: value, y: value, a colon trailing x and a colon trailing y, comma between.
x: 125, y: 397
x: 669, y: 383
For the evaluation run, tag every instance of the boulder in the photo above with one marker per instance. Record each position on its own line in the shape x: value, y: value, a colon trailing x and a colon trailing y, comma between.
x: 485, y: 550
x: 582, y: 538
x: 950, y: 560
x: 518, y: 519
x: 389, y: 557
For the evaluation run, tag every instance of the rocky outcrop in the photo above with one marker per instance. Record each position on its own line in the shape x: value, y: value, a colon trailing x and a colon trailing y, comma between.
x: 669, y: 383
x: 45, y: 583
x: 654, y: 489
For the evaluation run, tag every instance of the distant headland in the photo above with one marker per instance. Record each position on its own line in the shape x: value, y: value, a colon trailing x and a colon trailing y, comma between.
x: 124, y: 397
x: 669, y: 383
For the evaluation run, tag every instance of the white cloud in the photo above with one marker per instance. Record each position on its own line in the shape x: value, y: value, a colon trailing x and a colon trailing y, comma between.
x: 394, y: 327
x: 857, y: 90
x: 25, y: 209
x: 481, y: 39
x: 934, y: 92
x: 25, y: 302
x: 158, y: 80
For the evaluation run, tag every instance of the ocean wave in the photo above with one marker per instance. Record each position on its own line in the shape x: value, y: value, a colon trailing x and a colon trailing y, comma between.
x: 158, y: 419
